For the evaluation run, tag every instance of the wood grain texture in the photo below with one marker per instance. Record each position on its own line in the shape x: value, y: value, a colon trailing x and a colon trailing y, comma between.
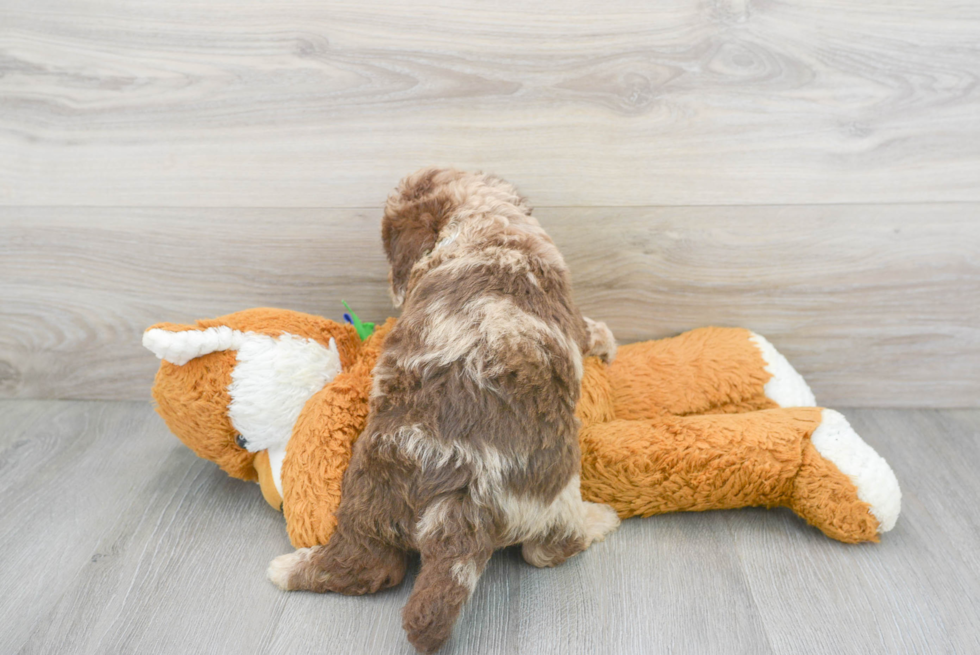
x: 875, y: 305
x: 295, y: 103
x: 67, y: 470
x: 116, y: 539
x: 825, y: 599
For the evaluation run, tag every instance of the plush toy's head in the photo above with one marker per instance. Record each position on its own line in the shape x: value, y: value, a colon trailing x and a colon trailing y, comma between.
x: 231, y: 388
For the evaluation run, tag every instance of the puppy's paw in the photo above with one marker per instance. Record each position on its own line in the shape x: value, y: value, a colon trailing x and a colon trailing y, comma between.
x: 282, y: 569
x: 602, y: 343
x: 600, y: 521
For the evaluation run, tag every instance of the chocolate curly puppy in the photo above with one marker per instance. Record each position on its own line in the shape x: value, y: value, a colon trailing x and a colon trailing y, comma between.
x: 472, y: 440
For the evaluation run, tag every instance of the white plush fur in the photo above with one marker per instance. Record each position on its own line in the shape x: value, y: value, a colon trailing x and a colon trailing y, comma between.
x: 277, y: 455
x: 273, y: 379
x: 876, y: 484
x: 787, y: 388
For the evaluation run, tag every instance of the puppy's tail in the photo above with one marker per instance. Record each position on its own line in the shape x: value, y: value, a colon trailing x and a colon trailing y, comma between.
x: 454, y: 554
x: 180, y: 344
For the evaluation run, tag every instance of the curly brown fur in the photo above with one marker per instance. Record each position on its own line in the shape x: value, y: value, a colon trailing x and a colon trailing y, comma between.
x: 471, y: 443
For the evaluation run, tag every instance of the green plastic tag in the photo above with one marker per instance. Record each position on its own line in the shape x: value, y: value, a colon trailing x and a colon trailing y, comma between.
x: 364, y: 330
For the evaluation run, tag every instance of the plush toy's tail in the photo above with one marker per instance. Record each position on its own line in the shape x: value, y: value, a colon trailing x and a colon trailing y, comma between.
x: 181, y: 346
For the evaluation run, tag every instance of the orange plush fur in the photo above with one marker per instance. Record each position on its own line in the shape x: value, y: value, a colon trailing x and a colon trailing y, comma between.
x: 193, y: 400
x: 679, y: 424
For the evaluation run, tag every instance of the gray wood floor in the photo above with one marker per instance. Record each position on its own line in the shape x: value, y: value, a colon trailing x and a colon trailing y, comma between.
x: 116, y: 539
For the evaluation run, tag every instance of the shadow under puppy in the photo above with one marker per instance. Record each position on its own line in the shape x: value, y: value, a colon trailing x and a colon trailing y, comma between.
x: 472, y: 441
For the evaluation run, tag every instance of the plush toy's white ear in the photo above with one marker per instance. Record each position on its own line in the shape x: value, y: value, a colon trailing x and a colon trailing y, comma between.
x: 183, y: 346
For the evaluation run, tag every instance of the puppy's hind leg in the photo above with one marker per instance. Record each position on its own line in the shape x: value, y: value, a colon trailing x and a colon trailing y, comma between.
x: 345, y: 565
x: 577, y: 525
x: 455, y: 549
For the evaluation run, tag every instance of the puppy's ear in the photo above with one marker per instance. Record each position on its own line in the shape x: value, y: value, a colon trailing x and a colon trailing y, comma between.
x: 421, y: 205
x: 407, y: 238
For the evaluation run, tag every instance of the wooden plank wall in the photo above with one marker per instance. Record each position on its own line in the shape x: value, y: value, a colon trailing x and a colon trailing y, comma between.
x: 807, y: 169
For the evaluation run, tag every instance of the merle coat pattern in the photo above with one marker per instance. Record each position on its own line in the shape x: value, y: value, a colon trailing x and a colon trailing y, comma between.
x: 471, y: 443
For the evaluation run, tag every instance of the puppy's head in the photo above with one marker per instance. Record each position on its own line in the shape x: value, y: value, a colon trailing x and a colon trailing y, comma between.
x: 426, y: 201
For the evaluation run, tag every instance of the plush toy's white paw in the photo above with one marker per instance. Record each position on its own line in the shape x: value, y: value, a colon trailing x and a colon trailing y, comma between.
x: 281, y: 568
x: 787, y: 388
x: 876, y: 483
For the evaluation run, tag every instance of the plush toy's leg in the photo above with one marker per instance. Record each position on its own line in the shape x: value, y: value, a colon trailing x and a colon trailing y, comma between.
x: 345, y: 565
x: 833, y: 479
x: 454, y: 552
x: 708, y: 370
x: 844, y: 487
x: 694, y: 463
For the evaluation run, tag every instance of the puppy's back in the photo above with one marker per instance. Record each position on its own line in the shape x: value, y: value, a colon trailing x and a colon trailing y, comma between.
x: 485, y: 363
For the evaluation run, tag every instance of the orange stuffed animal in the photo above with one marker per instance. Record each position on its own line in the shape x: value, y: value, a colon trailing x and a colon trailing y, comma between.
x: 714, y: 418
